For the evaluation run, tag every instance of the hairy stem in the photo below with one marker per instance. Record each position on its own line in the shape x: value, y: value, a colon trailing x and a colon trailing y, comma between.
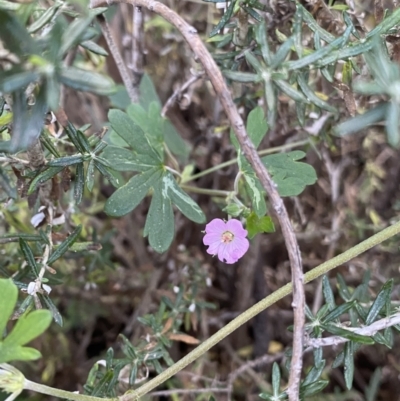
x: 259, y: 307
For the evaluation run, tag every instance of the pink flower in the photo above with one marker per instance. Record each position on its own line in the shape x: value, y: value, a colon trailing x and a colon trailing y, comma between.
x: 226, y: 239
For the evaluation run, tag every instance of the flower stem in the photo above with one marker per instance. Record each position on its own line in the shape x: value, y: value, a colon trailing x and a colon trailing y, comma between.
x: 211, y: 192
x: 41, y: 388
x: 262, y: 305
x: 233, y: 161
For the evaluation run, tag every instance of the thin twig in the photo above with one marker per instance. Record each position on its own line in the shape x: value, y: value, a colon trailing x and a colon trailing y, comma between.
x: 137, y: 48
x: 249, y: 366
x: 123, y: 71
x: 250, y: 152
x: 165, y: 393
x: 179, y: 91
x: 370, y: 330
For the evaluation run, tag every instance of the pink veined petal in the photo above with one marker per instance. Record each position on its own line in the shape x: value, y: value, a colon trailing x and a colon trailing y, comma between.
x: 224, y: 254
x: 213, y: 248
x: 216, y: 226
x: 238, y: 247
x: 210, y: 238
x: 236, y: 228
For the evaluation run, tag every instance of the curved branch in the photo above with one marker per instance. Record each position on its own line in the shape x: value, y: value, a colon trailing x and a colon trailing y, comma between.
x: 250, y: 152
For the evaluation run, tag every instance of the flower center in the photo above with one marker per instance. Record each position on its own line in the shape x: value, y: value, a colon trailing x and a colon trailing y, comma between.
x: 227, y: 237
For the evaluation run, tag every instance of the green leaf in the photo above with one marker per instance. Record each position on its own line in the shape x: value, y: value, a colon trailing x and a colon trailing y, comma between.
x: 54, y: 311
x: 175, y: 142
x: 338, y: 311
x: 44, y: 18
x: 79, y: 183
x: 132, y: 134
x: 87, y: 81
x: 8, y: 299
x: 256, y: 193
x: 43, y: 177
x: 328, y: 293
x: 74, y: 33
x: 350, y: 335
x: 27, y: 124
x: 239, y: 76
x: 160, y: 225
x: 124, y: 160
x: 28, y: 327
x: 127, y: 197
x: 11, y: 81
x: 313, y: 388
x: 65, y: 245
x: 29, y: 257
x: 6, y: 184
x: 382, y: 299
x: 151, y: 123
x: 362, y: 121
x: 10, y: 353
x: 66, y: 161
x: 256, y: 125
x: 94, y: 48
x: 90, y: 176
x: 102, y: 166
x: 289, y: 175
x: 256, y: 225
x: 148, y: 93
x: 312, y: 97
x: 181, y: 199
x: 14, y: 35
x: 276, y: 379
x: 288, y: 89
x: 349, y: 364
x: 392, y: 124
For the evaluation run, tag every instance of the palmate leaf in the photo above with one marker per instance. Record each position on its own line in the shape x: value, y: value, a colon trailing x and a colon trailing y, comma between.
x: 290, y: 176
x: 160, y: 226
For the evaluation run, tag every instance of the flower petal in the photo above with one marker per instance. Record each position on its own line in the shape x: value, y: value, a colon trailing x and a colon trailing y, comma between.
x: 238, y: 247
x: 213, y: 248
x: 211, y: 238
x: 236, y: 228
x: 216, y: 226
x: 224, y: 255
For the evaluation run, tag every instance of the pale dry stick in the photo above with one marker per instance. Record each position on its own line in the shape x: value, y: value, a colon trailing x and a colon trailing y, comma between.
x: 13, y: 160
x: 370, y: 330
x: 194, y: 78
x: 137, y: 49
x: 250, y: 152
x: 123, y: 71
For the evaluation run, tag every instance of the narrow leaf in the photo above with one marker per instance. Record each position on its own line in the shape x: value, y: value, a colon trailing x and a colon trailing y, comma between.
x: 382, y: 299
x: 65, y: 245
x: 349, y: 364
x: 29, y: 257
x: 87, y: 81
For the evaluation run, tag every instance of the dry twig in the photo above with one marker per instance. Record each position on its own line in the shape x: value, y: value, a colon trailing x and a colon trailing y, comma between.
x: 129, y: 84
x: 370, y: 330
x: 250, y: 152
